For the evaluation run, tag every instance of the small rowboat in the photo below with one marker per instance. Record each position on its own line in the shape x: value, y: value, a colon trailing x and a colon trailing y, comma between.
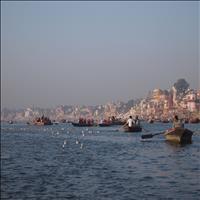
x: 150, y: 121
x: 132, y: 129
x: 42, y: 123
x: 194, y: 121
x: 104, y: 124
x: 179, y: 135
x: 117, y: 122
x: 81, y: 125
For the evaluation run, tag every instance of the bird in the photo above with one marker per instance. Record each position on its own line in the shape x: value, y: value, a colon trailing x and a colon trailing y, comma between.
x: 65, y: 142
x: 77, y: 142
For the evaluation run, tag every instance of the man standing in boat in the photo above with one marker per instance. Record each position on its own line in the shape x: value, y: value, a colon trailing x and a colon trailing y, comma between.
x: 137, y: 121
x: 130, y: 122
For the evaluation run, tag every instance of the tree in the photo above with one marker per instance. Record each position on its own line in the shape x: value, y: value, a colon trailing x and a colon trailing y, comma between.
x: 181, y: 85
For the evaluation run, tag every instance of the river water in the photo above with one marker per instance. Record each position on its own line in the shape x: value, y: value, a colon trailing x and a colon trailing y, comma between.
x: 97, y: 163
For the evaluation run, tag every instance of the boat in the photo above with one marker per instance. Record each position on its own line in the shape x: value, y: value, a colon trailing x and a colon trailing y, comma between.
x: 104, y: 124
x: 150, y: 121
x: 42, y: 121
x: 117, y: 122
x: 179, y: 135
x: 132, y: 129
x: 81, y: 124
x: 165, y: 121
x: 194, y: 120
x: 63, y: 121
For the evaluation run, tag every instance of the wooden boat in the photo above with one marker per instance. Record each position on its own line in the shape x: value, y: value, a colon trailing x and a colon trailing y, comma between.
x: 63, y: 121
x: 194, y: 120
x: 179, y: 135
x: 118, y: 122
x: 132, y: 129
x: 104, y: 124
x: 111, y: 123
x: 165, y: 121
x: 42, y: 121
x: 150, y: 121
x: 82, y: 124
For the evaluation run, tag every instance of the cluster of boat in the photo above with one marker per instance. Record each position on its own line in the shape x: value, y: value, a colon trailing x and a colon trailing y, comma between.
x: 179, y: 135
x: 186, y: 120
x: 103, y: 123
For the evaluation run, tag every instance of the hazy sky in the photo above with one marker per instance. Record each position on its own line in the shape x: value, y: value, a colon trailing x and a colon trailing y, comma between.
x: 91, y: 53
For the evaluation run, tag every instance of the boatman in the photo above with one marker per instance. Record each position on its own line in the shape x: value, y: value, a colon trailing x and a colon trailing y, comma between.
x: 130, y: 122
x: 137, y: 121
x: 177, y: 123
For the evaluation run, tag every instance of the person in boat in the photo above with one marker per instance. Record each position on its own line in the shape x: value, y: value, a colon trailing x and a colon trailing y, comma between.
x: 129, y: 122
x: 89, y: 122
x: 177, y: 123
x: 112, y: 119
x: 80, y: 121
x: 137, y: 121
x: 84, y: 121
x: 38, y: 119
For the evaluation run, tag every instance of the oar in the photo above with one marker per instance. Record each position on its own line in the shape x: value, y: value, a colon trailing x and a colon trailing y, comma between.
x: 122, y: 128
x: 151, y: 135
x: 145, y: 129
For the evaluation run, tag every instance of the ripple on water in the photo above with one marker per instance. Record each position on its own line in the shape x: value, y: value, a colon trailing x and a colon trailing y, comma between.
x: 110, y: 165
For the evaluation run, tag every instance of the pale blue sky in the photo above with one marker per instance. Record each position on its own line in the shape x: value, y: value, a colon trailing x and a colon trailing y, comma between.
x: 90, y: 53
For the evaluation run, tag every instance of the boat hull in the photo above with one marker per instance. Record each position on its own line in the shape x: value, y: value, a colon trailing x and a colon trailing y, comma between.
x: 119, y: 123
x: 42, y: 123
x: 194, y: 121
x: 132, y: 129
x: 179, y: 135
x: 104, y: 125
x: 81, y: 125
